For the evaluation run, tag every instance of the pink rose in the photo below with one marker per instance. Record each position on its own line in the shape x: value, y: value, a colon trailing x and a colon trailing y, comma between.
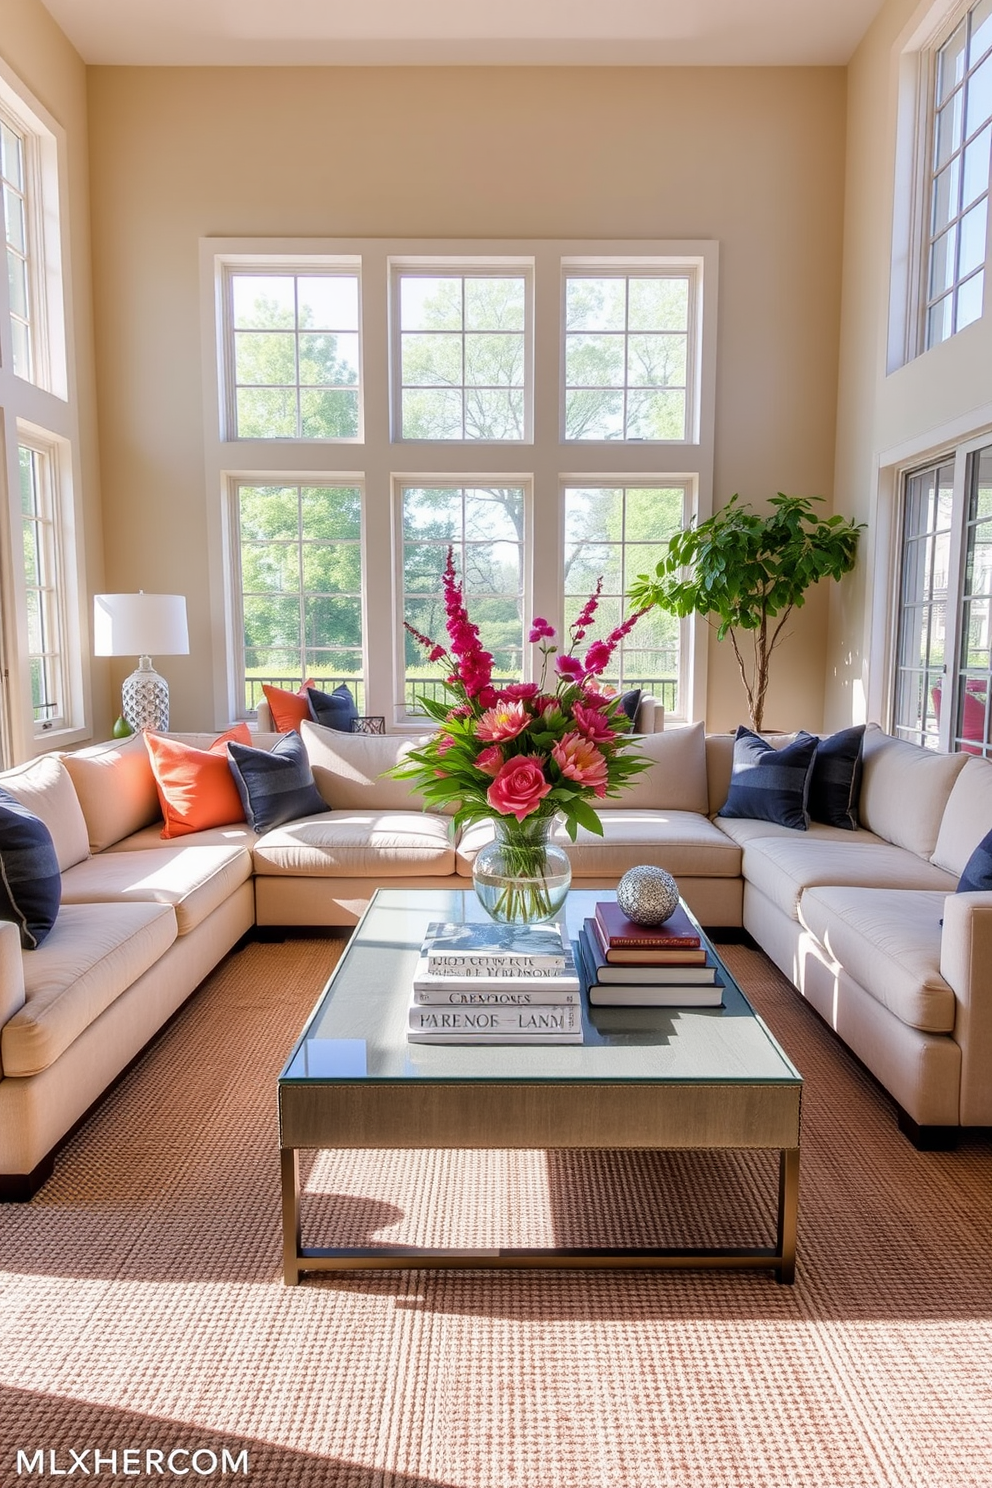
x: 519, y: 788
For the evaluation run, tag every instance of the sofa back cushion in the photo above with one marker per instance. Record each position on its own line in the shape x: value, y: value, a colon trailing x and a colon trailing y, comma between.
x: 348, y: 769
x: 45, y: 787
x: 675, y: 779
x: 967, y: 816
x: 116, y: 789
x: 905, y: 789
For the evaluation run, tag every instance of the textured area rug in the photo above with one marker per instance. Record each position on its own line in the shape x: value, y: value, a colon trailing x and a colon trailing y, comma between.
x: 142, y: 1309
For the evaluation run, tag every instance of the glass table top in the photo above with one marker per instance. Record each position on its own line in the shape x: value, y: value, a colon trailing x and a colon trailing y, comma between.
x: 357, y: 1031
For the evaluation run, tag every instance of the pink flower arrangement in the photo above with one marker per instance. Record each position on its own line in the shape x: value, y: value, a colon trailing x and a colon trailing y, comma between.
x: 523, y: 751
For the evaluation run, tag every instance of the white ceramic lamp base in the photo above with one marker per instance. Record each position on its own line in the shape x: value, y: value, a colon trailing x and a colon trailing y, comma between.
x: 146, y: 698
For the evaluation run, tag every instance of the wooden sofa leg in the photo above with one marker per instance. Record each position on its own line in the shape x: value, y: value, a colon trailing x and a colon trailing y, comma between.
x: 929, y: 1138
x: 18, y: 1188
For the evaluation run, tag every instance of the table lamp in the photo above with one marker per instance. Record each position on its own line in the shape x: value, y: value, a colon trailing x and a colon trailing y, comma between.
x: 137, y: 625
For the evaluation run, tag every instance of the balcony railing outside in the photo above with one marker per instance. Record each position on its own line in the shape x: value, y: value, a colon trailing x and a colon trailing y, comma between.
x: 662, y: 688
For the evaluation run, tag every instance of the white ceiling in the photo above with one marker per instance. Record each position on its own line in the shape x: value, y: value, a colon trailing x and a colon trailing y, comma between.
x: 465, y: 32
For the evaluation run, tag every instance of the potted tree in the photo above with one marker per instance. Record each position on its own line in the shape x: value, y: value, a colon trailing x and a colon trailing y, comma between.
x: 750, y: 572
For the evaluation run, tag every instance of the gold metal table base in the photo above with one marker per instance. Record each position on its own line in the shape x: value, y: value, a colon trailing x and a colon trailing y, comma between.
x: 297, y: 1258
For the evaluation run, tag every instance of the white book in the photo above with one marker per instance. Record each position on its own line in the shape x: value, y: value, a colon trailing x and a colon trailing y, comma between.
x: 530, y: 994
x: 552, y: 979
x: 417, y: 1036
x: 515, y: 1021
x: 464, y: 947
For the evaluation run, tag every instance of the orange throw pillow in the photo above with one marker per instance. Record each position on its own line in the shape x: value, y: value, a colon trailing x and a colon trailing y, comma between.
x: 288, y: 709
x: 196, y: 789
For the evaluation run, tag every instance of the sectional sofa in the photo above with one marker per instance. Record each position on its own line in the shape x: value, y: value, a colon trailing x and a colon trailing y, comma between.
x: 865, y: 923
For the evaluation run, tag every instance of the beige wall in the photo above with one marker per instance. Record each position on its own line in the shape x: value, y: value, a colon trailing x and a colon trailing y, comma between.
x: 885, y: 420
x: 34, y: 48
x: 751, y: 157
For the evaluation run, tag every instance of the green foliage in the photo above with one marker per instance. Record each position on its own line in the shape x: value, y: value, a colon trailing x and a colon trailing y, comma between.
x: 746, y: 570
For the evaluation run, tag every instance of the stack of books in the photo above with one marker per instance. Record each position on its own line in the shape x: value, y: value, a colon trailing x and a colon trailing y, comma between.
x: 647, y: 965
x: 495, y: 984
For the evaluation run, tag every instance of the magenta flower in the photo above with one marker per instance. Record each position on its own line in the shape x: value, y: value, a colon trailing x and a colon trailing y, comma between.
x: 579, y: 759
x: 540, y: 629
x: 520, y: 691
x: 475, y: 665
x: 569, y: 667
x: 519, y: 788
x: 597, y: 657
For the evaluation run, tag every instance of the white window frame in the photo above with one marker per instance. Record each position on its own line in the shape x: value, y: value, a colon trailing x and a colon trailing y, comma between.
x: 235, y: 482
x: 44, y: 414
x: 479, y: 267
x: 899, y: 464
x: 912, y: 200
x: 380, y: 462
x: 47, y: 521
x: 627, y: 267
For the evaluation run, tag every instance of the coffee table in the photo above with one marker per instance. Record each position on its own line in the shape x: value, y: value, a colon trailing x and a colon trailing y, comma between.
x: 669, y: 1078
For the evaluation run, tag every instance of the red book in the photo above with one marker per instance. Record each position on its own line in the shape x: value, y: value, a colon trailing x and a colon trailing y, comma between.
x: 667, y: 955
x: 677, y: 932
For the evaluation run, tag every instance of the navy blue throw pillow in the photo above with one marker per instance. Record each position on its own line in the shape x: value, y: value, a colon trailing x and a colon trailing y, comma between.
x: 768, y: 784
x: 978, y: 869
x: 335, y: 709
x: 835, y: 784
x: 275, y: 785
x: 30, y: 881
x: 630, y: 702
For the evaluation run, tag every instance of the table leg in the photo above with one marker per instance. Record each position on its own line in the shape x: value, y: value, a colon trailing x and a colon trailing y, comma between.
x: 788, y: 1212
x: 291, y: 1231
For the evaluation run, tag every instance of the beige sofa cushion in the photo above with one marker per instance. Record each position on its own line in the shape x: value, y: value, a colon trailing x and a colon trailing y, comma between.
x: 348, y: 769
x: 93, y: 954
x: 116, y: 789
x: 45, y: 787
x: 234, y: 834
x: 676, y: 777
x: 967, y: 816
x: 193, y: 880
x: 374, y: 844
x: 888, y: 941
x: 683, y: 842
x: 898, y: 774
x: 745, y: 829
x: 783, y: 869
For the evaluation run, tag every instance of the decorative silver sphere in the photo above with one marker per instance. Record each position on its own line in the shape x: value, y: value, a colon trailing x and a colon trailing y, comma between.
x: 647, y: 895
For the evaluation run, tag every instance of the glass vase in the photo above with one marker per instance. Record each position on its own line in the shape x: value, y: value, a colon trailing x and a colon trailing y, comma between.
x: 522, y: 877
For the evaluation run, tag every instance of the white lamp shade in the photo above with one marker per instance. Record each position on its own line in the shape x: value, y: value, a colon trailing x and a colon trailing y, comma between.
x: 140, y: 625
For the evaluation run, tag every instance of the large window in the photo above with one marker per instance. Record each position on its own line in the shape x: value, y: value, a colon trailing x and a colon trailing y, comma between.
x: 41, y: 627
x: 943, y: 669
x: 294, y: 354
x: 462, y: 355
x: 484, y: 526
x: 300, y: 552
x: 461, y: 389
x: 957, y: 242
x: 627, y: 356
x: 615, y: 533
x: 43, y: 585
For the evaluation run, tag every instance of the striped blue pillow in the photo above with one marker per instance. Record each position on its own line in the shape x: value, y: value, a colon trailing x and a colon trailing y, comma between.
x: 768, y: 784
x: 275, y: 785
x: 30, y: 881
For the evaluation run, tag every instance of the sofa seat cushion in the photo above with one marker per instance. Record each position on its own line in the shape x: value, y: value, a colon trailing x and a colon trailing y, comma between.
x: 784, y: 868
x: 235, y: 834
x: 194, y: 880
x: 683, y: 842
x: 888, y: 941
x: 94, y: 953
x: 744, y: 829
x: 372, y: 844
